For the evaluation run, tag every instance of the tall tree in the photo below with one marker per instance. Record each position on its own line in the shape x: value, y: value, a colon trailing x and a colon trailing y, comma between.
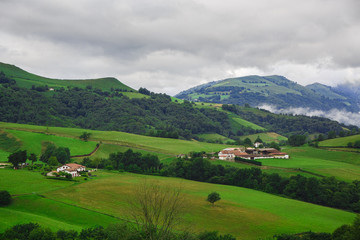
x: 17, y: 157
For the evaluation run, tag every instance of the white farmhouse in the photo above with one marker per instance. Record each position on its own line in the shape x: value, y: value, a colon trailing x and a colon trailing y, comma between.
x: 72, y: 168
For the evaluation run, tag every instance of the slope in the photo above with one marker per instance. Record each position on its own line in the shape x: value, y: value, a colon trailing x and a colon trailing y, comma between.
x: 26, y: 79
x: 274, y: 90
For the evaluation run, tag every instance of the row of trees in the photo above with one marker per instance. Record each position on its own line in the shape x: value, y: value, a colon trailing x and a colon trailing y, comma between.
x: 129, y: 161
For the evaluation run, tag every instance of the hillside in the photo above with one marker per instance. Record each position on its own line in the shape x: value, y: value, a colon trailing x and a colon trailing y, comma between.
x: 271, y: 90
x: 27, y: 80
x: 143, y: 112
x: 340, y: 142
x: 245, y: 213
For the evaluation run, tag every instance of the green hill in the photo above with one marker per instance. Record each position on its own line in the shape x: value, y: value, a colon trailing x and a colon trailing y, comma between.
x: 27, y: 80
x: 245, y: 213
x: 325, y: 91
x: 339, y: 142
x: 273, y: 90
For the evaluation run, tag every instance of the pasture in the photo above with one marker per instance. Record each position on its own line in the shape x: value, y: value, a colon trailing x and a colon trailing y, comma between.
x: 152, y: 144
x: 245, y: 213
x: 339, y: 142
x: 266, y: 137
x: 342, y: 165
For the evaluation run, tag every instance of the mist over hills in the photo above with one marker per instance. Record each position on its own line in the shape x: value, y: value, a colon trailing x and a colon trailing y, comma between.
x: 281, y: 95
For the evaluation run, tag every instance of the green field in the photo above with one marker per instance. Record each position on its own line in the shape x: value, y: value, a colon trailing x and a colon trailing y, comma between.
x: 339, y: 142
x: 26, y: 79
x: 152, y: 144
x: 342, y: 165
x: 245, y: 213
x: 214, y: 137
x: 266, y: 137
x: 33, y: 142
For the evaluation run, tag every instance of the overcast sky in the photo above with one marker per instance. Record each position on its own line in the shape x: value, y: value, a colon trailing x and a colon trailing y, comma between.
x: 171, y: 45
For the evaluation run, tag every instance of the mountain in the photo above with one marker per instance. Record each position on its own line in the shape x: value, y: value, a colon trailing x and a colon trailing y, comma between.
x: 27, y: 80
x: 273, y: 90
x: 119, y: 108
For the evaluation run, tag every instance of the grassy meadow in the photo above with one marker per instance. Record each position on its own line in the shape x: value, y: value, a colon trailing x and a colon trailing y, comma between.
x: 266, y: 137
x: 342, y: 165
x: 245, y: 213
x: 339, y: 142
x: 151, y: 144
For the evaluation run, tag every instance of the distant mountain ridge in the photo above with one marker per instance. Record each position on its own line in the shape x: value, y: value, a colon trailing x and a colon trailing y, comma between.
x: 274, y: 90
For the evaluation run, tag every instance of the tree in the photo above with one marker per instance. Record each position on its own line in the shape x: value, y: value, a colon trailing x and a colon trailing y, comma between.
x: 213, y: 197
x: 85, y: 136
x: 258, y: 139
x: 17, y: 157
x: 157, y: 210
x: 5, y: 198
x: 247, y: 142
x: 53, y: 161
x: 33, y: 158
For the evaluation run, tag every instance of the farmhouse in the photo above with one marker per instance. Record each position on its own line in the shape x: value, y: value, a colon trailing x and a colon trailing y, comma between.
x: 72, y: 168
x: 229, y: 154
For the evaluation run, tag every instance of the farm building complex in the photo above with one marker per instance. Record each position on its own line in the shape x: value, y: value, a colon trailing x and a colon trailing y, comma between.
x: 229, y: 154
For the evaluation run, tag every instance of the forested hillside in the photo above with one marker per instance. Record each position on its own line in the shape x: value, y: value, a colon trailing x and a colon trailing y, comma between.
x: 152, y: 114
x: 273, y: 90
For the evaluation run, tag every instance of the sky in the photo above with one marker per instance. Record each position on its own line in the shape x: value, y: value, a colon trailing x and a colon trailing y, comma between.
x: 171, y: 45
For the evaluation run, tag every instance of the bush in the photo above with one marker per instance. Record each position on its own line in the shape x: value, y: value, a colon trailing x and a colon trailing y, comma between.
x: 237, y: 159
x: 5, y: 198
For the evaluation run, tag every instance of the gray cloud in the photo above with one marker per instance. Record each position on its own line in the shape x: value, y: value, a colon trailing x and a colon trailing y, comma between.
x: 169, y: 46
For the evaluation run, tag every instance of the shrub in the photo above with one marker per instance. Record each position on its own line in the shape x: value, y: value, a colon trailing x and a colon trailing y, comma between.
x: 5, y: 198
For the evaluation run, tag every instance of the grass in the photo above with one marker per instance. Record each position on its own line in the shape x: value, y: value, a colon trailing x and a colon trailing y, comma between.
x: 245, y: 213
x: 266, y: 137
x: 33, y: 142
x: 26, y: 79
x: 4, y: 155
x: 106, y: 149
x: 214, y: 137
x: 342, y: 165
x: 27, y: 182
x: 339, y: 142
x: 266, y: 169
x: 245, y: 123
x: 152, y: 144
x: 49, y: 213
x: 134, y: 95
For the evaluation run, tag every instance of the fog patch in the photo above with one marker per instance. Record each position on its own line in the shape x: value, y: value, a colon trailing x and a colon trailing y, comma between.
x: 342, y: 116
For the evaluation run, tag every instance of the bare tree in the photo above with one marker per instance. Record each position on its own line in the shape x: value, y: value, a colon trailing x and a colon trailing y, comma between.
x: 157, y: 209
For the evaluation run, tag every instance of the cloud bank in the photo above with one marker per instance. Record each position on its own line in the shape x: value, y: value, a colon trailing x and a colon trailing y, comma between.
x: 342, y: 116
x: 169, y: 46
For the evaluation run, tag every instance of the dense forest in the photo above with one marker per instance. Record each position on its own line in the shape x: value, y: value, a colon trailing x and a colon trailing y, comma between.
x: 155, y: 115
x: 289, y: 124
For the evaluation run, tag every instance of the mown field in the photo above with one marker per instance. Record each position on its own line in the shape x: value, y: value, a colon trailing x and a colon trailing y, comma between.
x: 245, y: 213
x: 214, y: 137
x: 342, y: 165
x: 266, y: 137
x: 151, y: 144
x: 339, y: 142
